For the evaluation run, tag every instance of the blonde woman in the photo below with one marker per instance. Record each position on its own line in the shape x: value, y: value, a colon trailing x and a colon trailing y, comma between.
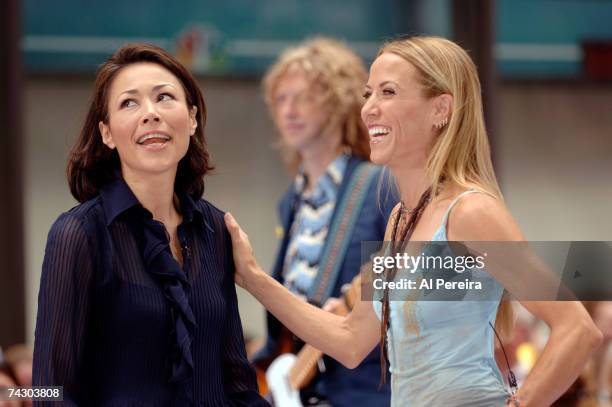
x: 314, y: 93
x: 424, y: 112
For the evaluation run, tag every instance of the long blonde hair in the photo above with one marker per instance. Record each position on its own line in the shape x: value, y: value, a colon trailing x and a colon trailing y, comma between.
x: 341, y: 74
x: 461, y: 154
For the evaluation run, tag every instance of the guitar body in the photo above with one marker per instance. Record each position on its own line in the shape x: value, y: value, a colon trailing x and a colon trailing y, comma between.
x: 289, y: 373
x: 279, y: 384
x: 286, y: 345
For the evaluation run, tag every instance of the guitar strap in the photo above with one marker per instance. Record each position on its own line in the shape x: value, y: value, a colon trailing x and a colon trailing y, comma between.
x: 338, y: 237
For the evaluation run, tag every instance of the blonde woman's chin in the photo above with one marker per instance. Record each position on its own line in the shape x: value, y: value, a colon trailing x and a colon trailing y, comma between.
x: 379, y: 156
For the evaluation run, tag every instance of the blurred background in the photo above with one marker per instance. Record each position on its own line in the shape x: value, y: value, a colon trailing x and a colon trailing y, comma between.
x: 545, y: 65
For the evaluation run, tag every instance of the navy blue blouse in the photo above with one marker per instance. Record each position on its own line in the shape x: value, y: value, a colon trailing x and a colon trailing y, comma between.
x: 121, y: 323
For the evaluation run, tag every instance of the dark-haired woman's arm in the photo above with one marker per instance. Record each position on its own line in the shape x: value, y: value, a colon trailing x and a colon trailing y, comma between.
x: 238, y: 375
x: 63, y: 303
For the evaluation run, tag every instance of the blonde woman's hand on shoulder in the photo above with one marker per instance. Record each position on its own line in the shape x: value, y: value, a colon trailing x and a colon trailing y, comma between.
x: 247, y: 268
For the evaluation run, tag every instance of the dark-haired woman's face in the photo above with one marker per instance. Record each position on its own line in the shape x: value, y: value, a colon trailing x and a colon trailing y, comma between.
x: 149, y: 121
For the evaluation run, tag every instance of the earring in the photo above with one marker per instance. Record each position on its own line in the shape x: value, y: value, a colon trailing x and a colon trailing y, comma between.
x: 442, y: 123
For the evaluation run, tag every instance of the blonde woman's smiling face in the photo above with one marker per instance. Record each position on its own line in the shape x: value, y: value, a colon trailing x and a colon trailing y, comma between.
x: 149, y: 121
x: 396, y: 112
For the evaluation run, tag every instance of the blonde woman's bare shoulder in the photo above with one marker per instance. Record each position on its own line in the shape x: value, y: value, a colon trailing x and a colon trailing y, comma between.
x: 481, y: 216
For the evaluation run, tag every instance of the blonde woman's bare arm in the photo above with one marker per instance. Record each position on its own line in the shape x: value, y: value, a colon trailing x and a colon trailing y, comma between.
x: 573, y: 335
x: 347, y: 339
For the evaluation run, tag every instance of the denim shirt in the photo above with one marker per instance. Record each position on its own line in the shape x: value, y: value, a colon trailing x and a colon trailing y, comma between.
x: 309, y: 229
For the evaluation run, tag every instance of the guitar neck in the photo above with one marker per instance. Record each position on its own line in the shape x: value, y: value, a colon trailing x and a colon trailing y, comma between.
x: 305, y: 367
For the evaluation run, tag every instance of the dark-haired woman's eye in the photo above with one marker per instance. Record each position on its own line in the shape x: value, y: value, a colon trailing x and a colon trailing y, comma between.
x: 128, y: 103
x: 164, y: 97
x: 388, y: 92
x: 366, y: 95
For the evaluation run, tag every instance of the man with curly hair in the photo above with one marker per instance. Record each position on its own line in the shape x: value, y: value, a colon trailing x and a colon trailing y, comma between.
x: 314, y: 93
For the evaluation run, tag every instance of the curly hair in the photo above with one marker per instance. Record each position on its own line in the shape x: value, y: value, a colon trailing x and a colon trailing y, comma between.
x: 91, y: 164
x: 341, y: 74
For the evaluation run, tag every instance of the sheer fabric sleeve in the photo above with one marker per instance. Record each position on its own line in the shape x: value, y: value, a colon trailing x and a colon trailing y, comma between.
x: 238, y: 375
x: 63, y: 305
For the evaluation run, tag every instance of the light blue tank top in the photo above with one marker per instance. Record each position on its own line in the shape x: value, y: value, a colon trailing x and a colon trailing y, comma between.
x: 441, y: 352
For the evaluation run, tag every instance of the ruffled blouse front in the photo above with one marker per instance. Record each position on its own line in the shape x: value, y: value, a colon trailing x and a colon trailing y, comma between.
x: 159, y: 262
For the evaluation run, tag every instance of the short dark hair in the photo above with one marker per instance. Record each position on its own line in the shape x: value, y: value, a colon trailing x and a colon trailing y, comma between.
x: 91, y: 164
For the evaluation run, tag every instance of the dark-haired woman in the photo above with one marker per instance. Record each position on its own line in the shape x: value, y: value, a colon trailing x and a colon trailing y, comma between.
x: 137, y: 304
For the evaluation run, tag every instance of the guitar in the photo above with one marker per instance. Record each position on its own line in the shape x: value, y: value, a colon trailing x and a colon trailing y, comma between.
x: 289, y: 373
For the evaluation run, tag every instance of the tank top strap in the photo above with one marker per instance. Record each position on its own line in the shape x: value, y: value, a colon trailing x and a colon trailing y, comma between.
x: 454, y: 202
